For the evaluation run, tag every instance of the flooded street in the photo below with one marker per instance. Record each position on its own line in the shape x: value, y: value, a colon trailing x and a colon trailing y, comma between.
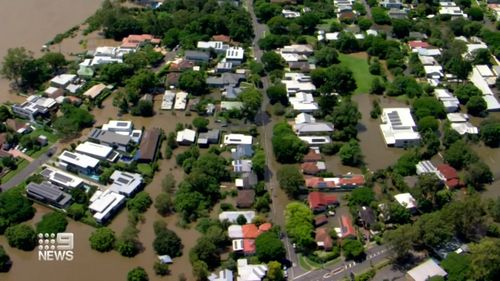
x: 31, y: 23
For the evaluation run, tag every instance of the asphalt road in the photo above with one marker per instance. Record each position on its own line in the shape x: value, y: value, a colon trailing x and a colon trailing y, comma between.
x: 343, y: 269
x: 26, y: 172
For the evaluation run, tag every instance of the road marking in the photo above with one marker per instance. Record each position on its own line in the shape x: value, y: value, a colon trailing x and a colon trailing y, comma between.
x: 302, y: 275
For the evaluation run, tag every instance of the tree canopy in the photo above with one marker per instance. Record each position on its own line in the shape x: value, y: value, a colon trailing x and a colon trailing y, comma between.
x: 54, y: 222
x: 298, y: 224
x: 269, y: 247
x: 291, y: 180
x: 102, y: 239
x: 21, y: 236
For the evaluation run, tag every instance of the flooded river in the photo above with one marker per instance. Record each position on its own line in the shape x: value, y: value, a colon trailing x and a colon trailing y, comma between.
x: 31, y: 23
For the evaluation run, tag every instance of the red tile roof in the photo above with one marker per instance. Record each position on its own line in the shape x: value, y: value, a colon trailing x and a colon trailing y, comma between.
x: 352, y: 180
x: 319, y: 200
x: 265, y: 227
x: 133, y: 40
x: 345, y: 181
x: 221, y: 37
x: 450, y: 174
x: 250, y: 231
x: 323, y: 236
x: 180, y: 66
x: 320, y: 220
x: 347, y: 227
x: 309, y: 168
x: 312, y: 156
x: 418, y: 44
x: 248, y: 246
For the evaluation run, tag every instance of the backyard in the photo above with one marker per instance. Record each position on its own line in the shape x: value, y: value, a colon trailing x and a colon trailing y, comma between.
x: 358, y: 64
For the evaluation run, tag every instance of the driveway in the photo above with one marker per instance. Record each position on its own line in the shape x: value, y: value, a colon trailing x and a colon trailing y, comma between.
x: 18, y: 153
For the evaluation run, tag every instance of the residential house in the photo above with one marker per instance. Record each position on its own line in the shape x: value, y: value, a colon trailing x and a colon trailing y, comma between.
x: 125, y: 183
x: 98, y: 151
x: 313, y: 155
x: 207, y: 138
x: 302, y: 66
x: 223, y: 38
x: 347, y: 229
x: 424, y: 167
x: 34, y: 106
x: 313, y: 128
x: 236, y: 139
x: 417, y: 44
x: 298, y: 82
x: 62, y: 81
x: 460, y: 123
x: 167, y: 102
x: 316, y: 140
x: 434, y: 71
x: 181, y: 99
x: 303, y: 102
x: 304, y: 118
x: 149, y: 145
x: 134, y: 41
x: 181, y: 65
x: 186, y: 137
x: 250, y: 272
x: 367, y: 217
x: 487, y: 74
x: 235, y: 55
x: 18, y: 126
x: 242, y: 166
x: 320, y: 202
x: 95, y: 91
x: 222, y: 67
x: 117, y: 141
x: 242, y: 151
x: 289, y: 14
x: 48, y: 193
x: 61, y: 179
x: 323, y: 239
x: 197, y: 56
x: 172, y: 79
x: 78, y: 163
x: 223, y: 275
x: 312, y: 168
x: 450, y: 176
x: 231, y: 92
x: 231, y: 105
x: 398, y: 13
x: 119, y: 127
x: 104, y: 204
x: 217, y: 46
x: 477, y: 79
x: 226, y: 79
x: 450, y: 102
x: 346, y: 182
x: 451, y: 9
x: 246, y: 180
x: 398, y: 127
x: 301, y: 49
x: 406, y: 200
x: 245, y: 198
x: 320, y: 220
x: 391, y: 4
x: 425, y: 271
x: 232, y: 216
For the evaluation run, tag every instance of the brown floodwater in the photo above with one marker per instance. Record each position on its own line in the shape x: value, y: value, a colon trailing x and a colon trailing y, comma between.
x: 31, y: 23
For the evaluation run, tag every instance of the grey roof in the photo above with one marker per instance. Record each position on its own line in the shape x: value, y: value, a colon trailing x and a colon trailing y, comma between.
x: 48, y: 192
x: 231, y: 79
x: 109, y: 137
x: 210, y: 137
x: 198, y: 55
x: 232, y: 92
x: 249, y: 179
x: 242, y: 150
x: 367, y: 215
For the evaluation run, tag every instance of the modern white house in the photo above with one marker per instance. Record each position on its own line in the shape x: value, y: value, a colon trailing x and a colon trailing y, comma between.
x: 186, y: 137
x: 60, y: 178
x: 303, y: 102
x: 398, y: 127
x: 34, y: 106
x: 119, y: 142
x: 298, y: 82
x: 289, y: 14
x: 62, y: 81
x: 217, y: 46
x: 460, y: 123
x: 451, y: 9
x: 104, y: 204
x: 450, y: 102
x: 76, y: 162
x: 235, y: 139
x: 316, y: 140
x: 235, y: 55
x: 98, y: 151
x: 125, y: 183
x: 119, y: 127
x: 304, y: 118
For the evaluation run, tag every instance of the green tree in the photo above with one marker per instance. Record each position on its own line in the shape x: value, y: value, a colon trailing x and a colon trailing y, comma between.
x: 193, y: 82
x: 14, y: 208
x: 428, y: 106
x: 459, y: 67
x: 287, y: 147
x: 167, y: 242
x: 128, y: 245
x: 252, y: 100
x: 490, y: 133
x: 163, y: 203
x: 298, y: 224
x: 21, y: 236
x: 274, y: 271
x: 334, y: 79
x: 161, y: 269
x: 362, y: 196
x: 200, y: 270
x: 380, y: 16
x: 55, y: 60
x: 377, y: 87
x: 76, y: 211
x: 485, y: 259
x: 398, y: 214
x: 345, y: 117
x: 277, y: 93
x: 291, y: 180
x: 476, y: 106
x: 140, y: 203
x: 144, y: 108
x: 200, y: 123
x: 259, y: 163
x: 353, y: 249
x: 401, y: 240
x: 272, y: 61
x: 404, y: 85
x: 459, y: 155
x: 428, y: 123
x: 457, y: 266
x: 269, y: 247
x: 465, y: 91
x: 481, y: 56
x: 433, y: 230
x: 5, y: 262
x: 401, y: 27
x: 475, y: 13
x: 375, y: 67
x: 14, y: 62
x: 137, y: 274
x: 350, y: 154
x: 326, y: 56
x: 364, y: 23
x: 478, y: 174
x: 54, y: 222
x: 4, y: 113
x: 102, y: 239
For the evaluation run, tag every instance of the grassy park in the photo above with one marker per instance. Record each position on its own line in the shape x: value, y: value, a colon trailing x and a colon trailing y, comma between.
x: 358, y: 64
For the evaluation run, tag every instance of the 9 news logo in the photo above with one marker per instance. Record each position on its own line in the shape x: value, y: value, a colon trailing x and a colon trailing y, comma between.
x: 55, y: 247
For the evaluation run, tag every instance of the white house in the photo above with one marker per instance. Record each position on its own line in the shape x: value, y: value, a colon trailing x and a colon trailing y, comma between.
x: 289, y: 14
x: 242, y: 166
x: 312, y: 128
x: 406, y: 200
x: 235, y: 139
x: 460, y: 123
x: 98, y: 151
x: 304, y: 118
x: 450, y: 102
x: 223, y: 275
x: 451, y: 9
x: 488, y: 96
x: 316, y: 140
x: 72, y: 161
x: 63, y: 80
x: 104, y: 204
x: 433, y: 71
x: 301, y: 49
x: 125, y: 183
x: 250, y: 272
x: 398, y: 127
x: 217, y: 46
x: 34, y: 106
x: 181, y: 101
x: 298, y: 82
x: 119, y: 127
x: 487, y: 74
x: 232, y: 216
x: 60, y: 178
x: 186, y: 137
x: 235, y: 55
x: 426, y: 270
x: 303, y: 102
x: 167, y: 102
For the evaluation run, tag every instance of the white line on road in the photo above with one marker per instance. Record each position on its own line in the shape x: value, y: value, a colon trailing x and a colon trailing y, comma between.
x: 302, y: 275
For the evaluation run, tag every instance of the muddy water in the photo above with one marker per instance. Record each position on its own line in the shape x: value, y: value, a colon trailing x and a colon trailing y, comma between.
x: 377, y: 154
x: 31, y: 23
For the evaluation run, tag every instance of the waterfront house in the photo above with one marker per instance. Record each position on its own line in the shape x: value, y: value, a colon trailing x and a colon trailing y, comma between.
x: 62, y: 179
x: 398, y: 127
x: 149, y: 145
x: 48, y: 193
x: 104, y: 204
x: 186, y: 137
x: 117, y: 141
x: 98, y: 151
x: 78, y: 163
x: 125, y: 183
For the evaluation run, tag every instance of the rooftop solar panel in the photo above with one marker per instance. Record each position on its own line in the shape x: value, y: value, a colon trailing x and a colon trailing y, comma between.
x: 62, y: 178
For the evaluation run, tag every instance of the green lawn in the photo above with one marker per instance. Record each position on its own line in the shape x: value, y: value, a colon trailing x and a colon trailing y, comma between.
x: 52, y: 138
x: 307, y: 264
x: 359, y: 67
x: 145, y: 169
x: 20, y: 166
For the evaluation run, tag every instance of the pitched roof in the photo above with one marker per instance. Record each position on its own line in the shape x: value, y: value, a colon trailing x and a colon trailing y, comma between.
x: 221, y: 37
x: 320, y: 220
x: 149, y: 144
x: 450, y: 174
x: 418, y: 44
x: 312, y: 156
x: 346, y: 226
x: 318, y: 199
x: 367, y: 215
x: 323, y: 238
x: 245, y: 198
